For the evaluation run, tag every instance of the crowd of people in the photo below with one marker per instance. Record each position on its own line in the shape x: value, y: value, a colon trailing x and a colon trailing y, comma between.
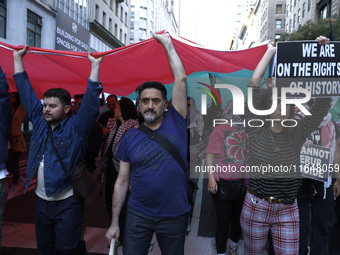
x: 147, y: 161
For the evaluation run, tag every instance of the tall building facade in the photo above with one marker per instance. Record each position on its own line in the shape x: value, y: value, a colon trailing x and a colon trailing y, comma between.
x: 268, y: 19
x: 249, y: 33
x: 150, y: 16
x: 242, y: 10
x: 272, y: 18
x: 25, y: 22
x: 109, y: 24
x: 298, y: 12
x: 75, y: 25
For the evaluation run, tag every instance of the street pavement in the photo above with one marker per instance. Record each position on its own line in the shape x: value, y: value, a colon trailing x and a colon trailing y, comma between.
x: 18, y: 233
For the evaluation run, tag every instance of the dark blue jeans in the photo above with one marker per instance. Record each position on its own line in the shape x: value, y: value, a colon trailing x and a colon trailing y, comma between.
x: 3, y: 198
x: 139, y: 229
x: 58, y: 226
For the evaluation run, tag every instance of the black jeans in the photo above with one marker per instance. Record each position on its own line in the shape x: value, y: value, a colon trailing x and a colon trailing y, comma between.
x: 13, y: 165
x: 334, y: 244
x: 227, y: 215
x: 319, y: 216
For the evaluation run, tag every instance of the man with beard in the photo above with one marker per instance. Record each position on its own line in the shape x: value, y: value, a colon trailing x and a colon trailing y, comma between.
x: 59, y: 215
x: 158, y: 200
x: 107, y: 120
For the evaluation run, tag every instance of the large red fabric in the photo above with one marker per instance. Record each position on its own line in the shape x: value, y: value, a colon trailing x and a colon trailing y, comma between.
x: 123, y: 69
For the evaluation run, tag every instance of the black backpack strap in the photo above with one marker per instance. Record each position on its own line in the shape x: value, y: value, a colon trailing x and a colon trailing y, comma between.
x: 55, y: 150
x: 162, y: 141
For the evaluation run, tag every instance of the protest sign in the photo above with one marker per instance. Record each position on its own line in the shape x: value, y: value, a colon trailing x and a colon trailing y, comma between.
x: 315, y: 162
x: 308, y: 65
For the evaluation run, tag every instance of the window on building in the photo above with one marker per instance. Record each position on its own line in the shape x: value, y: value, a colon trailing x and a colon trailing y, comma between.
x: 67, y: 7
x: 287, y: 8
x: 323, y: 12
x: 291, y: 6
x: 278, y: 23
x: 121, y: 13
x: 290, y: 25
x: 294, y: 3
x: 61, y: 5
x: 294, y: 21
x: 121, y: 35
x: 142, y: 33
x: 142, y: 22
x: 96, y: 17
x: 309, y: 5
x: 104, y: 19
x: 143, y: 11
x: 279, y: 9
x: 303, y: 10
x: 34, y: 25
x: 110, y: 25
x: 125, y: 39
x: 277, y: 37
x: 117, y: 8
x: 111, y: 4
x: 3, y: 18
x: 299, y: 16
x: 116, y: 30
x: 125, y: 20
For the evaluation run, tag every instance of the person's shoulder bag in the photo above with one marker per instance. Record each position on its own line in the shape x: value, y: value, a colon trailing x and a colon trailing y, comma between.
x: 82, y: 180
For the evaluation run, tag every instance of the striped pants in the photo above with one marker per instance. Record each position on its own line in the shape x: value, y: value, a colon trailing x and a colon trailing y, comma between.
x: 258, y: 217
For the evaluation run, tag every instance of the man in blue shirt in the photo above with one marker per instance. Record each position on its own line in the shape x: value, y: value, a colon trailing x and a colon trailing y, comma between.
x: 59, y: 214
x: 158, y: 200
x: 5, y: 131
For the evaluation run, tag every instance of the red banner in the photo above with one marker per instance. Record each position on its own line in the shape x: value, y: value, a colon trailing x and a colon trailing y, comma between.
x: 123, y: 69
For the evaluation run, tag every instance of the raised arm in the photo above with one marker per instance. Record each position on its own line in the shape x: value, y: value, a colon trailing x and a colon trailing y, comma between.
x: 95, y: 67
x: 89, y: 110
x: 18, y: 62
x: 28, y: 96
x: 119, y: 196
x: 262, y: 65
x: 179, y: 91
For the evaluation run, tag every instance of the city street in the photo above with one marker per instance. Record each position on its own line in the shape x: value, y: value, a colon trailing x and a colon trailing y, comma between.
x: 18, y: 233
